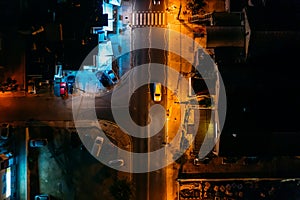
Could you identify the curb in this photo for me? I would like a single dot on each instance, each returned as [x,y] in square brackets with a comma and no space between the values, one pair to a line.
[13,94]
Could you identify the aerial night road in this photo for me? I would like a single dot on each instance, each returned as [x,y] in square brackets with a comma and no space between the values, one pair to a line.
[48,108]
[148,185]
[38,108]
[79,118]
[142,100]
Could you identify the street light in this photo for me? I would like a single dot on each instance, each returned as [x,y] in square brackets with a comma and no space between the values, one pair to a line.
[41,29]
[156,2]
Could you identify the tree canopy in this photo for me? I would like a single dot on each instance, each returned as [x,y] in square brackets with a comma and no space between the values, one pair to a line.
[121,190]
[195,6]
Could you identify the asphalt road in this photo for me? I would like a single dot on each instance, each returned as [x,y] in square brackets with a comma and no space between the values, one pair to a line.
[149,5]
[50,108]
[146,183]
[151,185]
[38,108]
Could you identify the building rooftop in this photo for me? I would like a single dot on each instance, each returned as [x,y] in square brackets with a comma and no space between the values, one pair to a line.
[274,18]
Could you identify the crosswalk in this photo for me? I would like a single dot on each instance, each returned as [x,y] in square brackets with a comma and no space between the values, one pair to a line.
[146,18]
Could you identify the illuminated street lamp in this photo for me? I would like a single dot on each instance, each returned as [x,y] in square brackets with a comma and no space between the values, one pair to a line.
[156,2]
[41,29]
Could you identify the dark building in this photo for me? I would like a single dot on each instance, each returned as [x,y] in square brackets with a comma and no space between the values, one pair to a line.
[227,37]
[262,93]
[36,35]
[237,5]
[12,47]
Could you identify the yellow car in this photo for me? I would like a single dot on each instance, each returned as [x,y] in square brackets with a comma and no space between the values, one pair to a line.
[157,92]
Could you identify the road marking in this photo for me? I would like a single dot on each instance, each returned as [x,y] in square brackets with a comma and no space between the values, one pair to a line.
[159,18]
[152,19]
[133,19]
[164,18]
[141,19]
[146,18]
[137,19]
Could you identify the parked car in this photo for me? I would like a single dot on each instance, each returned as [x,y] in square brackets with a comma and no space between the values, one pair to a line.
[4,131]
[207,159]
[38,142]
[71,82]
[116,163]
[205,100]
[204,160]
[43,83]
[97,146]
[31,89]
[9,85]
[108,78]
[63,91]
[42,197]
[155,2]
[112,76]
[104,80]
[230,160]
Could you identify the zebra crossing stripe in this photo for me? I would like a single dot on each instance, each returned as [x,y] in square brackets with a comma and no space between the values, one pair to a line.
[159,19]
[145,19]
[133,19]
[137,19]
[152,19]
[141,19]
[149,19]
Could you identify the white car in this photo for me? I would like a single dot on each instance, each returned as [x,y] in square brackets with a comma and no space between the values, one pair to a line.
[97,146]
[116,163]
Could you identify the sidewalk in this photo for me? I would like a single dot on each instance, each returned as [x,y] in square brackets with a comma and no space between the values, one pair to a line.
[175,116]
[121,45]
[13,94]
[68,171]
[173,125]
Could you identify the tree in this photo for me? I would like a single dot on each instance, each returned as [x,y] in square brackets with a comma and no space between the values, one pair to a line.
[121,190]
[196,6]
[181,157]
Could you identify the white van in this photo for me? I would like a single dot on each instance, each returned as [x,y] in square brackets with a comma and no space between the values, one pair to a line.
[157,92]
[97,146]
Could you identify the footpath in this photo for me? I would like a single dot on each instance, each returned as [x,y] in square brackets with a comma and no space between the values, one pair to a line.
[13,94]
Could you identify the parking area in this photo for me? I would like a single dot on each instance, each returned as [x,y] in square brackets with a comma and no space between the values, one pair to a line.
[239,189]
[65,169]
